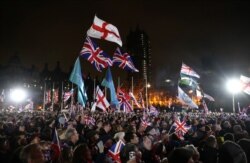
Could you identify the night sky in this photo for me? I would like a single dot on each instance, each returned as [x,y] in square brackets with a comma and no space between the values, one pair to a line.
[211,37]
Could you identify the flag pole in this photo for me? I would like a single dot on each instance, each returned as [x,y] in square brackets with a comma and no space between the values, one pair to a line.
[53,90]
[44,95]
[62,97]
[146,94]
[72,96]
[94,91]
[118,83]
[132,87]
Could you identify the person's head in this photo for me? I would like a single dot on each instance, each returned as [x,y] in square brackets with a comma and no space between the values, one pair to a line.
[131,137]
[211,141]
[196,154]
[71,135]
[226,124]
[81,154]
[181,155]
[106,126]
[229,136]
[245,145]
[32,153]
[231,152]
[130,153]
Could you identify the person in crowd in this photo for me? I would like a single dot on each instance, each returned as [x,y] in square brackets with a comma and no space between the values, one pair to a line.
[32,153]
[181,155]
[209,152]
[230,152]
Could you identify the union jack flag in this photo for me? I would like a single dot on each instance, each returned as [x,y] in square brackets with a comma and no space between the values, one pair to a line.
[114,151]
[123,60]
[123,99]
[181,127]
[95,55]
[145,123]
[88,120]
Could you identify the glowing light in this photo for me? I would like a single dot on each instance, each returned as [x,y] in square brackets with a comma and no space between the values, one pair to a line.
[233,86]
[18,95]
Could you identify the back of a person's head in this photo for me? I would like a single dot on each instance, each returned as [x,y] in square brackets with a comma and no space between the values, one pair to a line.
[231,152]
[79,154]
[32,153]
[126,151]
[245,145]
[229,136]
[180,155]
[211,141]
[128,136]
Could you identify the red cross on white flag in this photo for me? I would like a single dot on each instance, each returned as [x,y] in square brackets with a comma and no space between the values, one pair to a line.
[103,30]
[101,101]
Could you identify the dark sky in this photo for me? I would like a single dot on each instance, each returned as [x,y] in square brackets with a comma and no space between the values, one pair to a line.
[206,35]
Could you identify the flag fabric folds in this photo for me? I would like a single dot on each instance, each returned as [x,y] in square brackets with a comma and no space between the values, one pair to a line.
[184,98]
[245,82]
[123,60]
[47,96]
[2,96]
[124,101]
[181,128]
[95,55]
[101,101]
[67,95]
[134,99]
[185,69]
[114,151]
[108,83]
[210,98]
[103,30]
[76,78]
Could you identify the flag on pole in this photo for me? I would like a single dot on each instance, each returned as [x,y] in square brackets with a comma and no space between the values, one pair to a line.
[210,98]
[188,81]
[185,99]
[56,95]
[47,96]
[101,100]
[185,69]
[141,100]
[95,55]
[153,110]
[114,151]
[181,128]
[67,95]
[205,106]
[108,83]
[245,82]
[124,61]
[134,99]
[76,78]
[124,101]
[103,30]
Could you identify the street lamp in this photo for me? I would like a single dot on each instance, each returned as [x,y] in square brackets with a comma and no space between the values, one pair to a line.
[234,87]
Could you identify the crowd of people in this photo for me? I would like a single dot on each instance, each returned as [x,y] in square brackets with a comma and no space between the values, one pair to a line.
[87,137]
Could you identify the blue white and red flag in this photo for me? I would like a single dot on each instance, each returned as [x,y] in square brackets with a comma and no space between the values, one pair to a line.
[123,99]
[123,60]
[114,151]
[95,55]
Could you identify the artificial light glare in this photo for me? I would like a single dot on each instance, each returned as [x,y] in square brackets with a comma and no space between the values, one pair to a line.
[233,86]
[18,95]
